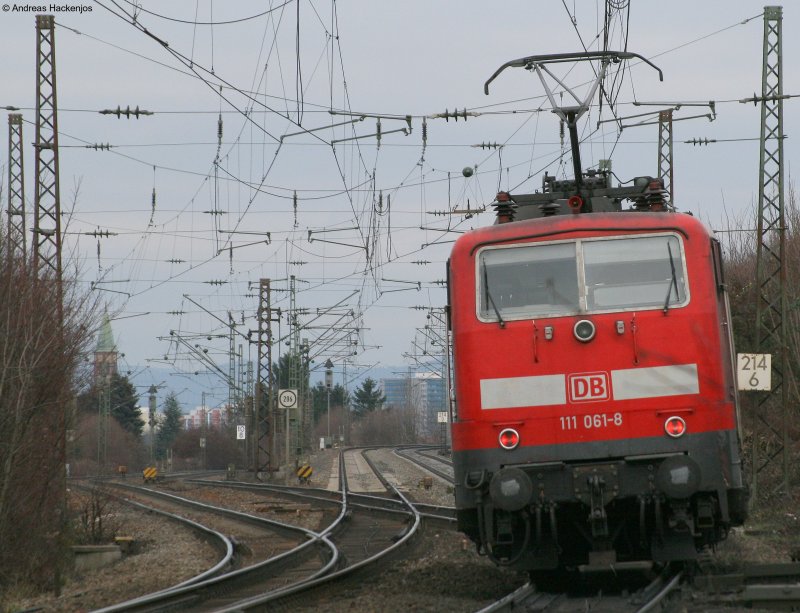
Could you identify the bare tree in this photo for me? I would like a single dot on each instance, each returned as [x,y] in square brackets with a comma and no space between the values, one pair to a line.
[41,343]
[388,427]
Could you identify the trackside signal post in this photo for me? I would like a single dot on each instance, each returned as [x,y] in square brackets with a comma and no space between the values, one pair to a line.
[328,386]
[288,402]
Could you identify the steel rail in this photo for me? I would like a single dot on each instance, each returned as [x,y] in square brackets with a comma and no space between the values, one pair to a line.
[207,589]
[414,459]
[372,502]
[529,598]
[449,518]
[222,541]
[668,587]
[306,586]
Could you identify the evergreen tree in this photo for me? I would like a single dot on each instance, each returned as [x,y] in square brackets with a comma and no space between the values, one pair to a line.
[170,425]
[319,399]
[367,398]
[281,371]
[125,405]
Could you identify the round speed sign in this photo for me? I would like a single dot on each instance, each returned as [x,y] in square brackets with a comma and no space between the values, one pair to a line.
[287,399]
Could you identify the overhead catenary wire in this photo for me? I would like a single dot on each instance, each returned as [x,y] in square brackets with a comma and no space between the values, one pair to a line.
[431,175]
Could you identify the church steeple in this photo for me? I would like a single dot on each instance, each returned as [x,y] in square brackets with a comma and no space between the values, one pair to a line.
[105,354]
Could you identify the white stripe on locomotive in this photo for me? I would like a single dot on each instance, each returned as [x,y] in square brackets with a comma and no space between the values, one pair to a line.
[626,384]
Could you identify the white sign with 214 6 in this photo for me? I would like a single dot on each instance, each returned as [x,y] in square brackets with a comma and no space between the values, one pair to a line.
[754,371]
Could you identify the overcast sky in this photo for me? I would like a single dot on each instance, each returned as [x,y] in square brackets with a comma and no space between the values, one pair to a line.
[225,212]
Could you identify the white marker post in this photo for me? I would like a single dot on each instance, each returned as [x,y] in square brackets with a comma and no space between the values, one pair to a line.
[754,372]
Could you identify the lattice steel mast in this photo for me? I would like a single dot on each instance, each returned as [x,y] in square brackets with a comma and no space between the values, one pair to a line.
[17,242]
[47,217]
[233,389]
[665,151]
[264,443]
[771,308]
[294,365]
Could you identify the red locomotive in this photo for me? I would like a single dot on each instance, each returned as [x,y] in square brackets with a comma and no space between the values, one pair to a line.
[596,410]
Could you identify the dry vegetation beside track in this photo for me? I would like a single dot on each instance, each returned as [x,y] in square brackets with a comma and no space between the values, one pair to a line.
[163,555]
[772,534]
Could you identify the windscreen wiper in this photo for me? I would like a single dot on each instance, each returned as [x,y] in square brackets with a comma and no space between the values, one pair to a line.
[673,282]
[491,300]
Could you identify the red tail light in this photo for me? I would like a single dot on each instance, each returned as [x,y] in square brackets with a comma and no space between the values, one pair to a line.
[575,203]
[675,427]
[509,438]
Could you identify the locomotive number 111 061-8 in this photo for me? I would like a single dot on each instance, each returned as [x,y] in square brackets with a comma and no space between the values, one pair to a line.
[589,422]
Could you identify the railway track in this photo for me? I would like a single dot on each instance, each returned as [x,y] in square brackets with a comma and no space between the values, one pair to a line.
[377,533]
[649,598]
[366,532]
[283,554]
[371,536]
[755,587]
[224,544]
[435,513]
[385,502]
[429,460]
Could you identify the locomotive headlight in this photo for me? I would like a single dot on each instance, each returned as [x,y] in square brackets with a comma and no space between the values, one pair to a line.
[584,330]
[675,426]
[509,438]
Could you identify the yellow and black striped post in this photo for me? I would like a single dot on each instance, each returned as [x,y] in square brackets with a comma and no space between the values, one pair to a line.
[304,473]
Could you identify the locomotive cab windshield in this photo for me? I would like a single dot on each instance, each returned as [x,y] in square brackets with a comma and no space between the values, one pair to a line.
[566,278]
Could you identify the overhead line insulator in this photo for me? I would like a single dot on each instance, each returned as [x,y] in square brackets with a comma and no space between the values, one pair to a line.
[455,114]
[126,113]
[100,233]
[700,141]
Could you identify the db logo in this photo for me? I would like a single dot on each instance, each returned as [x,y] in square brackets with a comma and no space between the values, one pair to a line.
[588,387]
